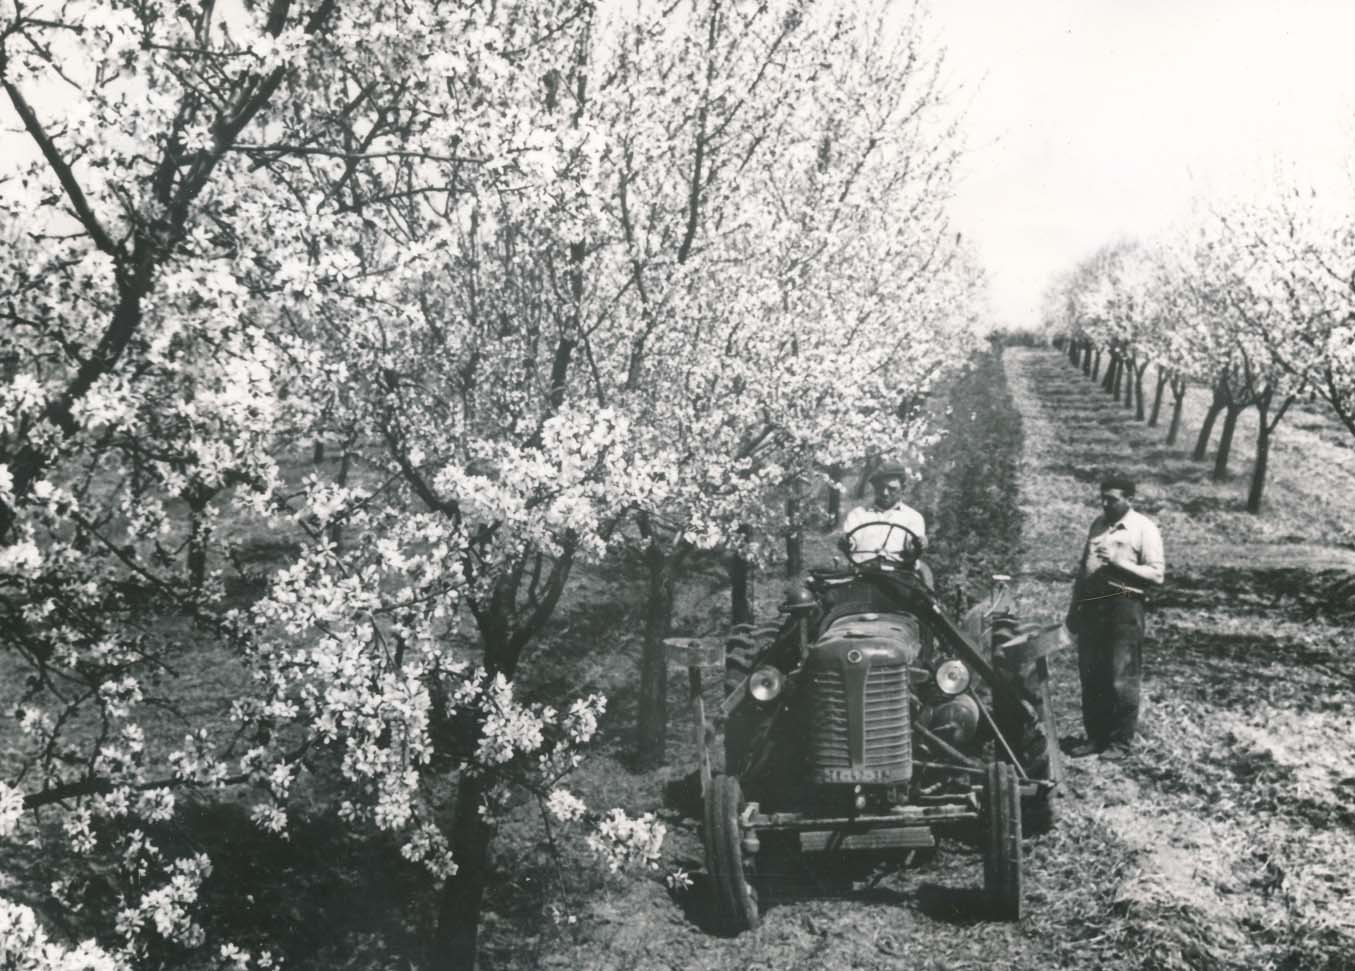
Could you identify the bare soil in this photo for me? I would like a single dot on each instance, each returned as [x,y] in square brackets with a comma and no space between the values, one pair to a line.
[1225,841]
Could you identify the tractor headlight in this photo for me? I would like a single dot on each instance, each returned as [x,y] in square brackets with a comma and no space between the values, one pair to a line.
[952,677]
[765,684]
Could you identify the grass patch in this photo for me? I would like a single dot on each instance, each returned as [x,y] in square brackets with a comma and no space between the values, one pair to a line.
[1232,814]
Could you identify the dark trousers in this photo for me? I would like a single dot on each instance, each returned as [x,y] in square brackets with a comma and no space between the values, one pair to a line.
[1110,664]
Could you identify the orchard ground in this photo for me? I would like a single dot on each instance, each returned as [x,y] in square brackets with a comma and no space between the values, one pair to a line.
[1225,842]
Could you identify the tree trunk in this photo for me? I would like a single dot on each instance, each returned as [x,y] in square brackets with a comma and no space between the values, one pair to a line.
[1178,386]
[1158,392]
[1096,364]
[199,533]
[345,463]
[740,590]
[835,494]
[458,927]
[1072,352]
[1265,426]
[653,717]
[1230,416]
[1207,429]
[138,484]
[1108,380]
[795,547]
[1138,391]
[863,483]
[1258,472]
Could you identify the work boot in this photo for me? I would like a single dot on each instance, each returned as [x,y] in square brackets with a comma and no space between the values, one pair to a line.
[1082,749]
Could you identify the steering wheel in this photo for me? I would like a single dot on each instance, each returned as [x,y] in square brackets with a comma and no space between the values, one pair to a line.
[909,547]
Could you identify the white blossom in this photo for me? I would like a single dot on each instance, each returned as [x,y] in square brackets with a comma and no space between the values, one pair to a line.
[565,806]
[11,809]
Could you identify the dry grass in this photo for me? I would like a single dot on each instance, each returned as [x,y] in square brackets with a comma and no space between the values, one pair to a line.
[1233,813]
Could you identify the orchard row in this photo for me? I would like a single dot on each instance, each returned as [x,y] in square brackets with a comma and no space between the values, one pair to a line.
[548,278]
[1255,302]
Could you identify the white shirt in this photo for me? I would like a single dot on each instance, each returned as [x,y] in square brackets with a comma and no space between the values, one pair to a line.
[877,539]
[1133,537]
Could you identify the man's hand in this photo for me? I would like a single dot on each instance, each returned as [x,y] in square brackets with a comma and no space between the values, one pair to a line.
[1124,568]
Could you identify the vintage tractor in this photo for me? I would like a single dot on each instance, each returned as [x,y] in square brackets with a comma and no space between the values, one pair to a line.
[867,722]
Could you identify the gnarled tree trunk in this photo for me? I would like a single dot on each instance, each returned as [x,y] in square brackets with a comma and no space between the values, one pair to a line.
[1178,386]
[835,494]
[652,723]
[1230,415]
[740,590]
[1264,429]
[1259,468]
[1158,391]
[458,926]
[1216,405]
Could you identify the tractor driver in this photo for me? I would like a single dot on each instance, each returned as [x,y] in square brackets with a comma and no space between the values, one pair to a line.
[888,510]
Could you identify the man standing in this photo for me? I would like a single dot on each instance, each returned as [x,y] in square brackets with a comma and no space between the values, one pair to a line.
[1122,558]
[895,528]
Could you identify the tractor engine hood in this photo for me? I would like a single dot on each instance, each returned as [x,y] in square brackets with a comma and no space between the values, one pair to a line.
[881,638]
[860,710]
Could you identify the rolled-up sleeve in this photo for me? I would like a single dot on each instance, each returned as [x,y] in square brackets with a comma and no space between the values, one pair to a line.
[1150,552]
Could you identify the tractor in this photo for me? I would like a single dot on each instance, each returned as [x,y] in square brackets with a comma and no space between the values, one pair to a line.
[868,722]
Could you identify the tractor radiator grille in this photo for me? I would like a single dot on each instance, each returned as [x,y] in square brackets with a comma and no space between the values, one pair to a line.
[875,748]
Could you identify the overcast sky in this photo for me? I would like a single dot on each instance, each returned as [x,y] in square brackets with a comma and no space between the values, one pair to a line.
[1089,120]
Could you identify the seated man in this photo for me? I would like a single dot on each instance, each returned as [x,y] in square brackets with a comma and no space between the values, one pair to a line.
[882,535]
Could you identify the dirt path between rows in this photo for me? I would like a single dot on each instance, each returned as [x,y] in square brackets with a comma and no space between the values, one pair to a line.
[1225,842]
[1235,808]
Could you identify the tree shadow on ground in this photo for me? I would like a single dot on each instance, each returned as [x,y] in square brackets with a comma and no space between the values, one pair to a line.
[959,906]
[1304,594]
[1088,473]
[321,893]
[1238,670]
[1197,505]
[1170,468]
[794,878]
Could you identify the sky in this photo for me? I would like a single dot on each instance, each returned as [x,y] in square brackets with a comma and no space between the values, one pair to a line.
[1089,121]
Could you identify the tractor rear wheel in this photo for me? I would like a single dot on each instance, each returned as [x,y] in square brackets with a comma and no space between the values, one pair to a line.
[1028,725]
[1002,881]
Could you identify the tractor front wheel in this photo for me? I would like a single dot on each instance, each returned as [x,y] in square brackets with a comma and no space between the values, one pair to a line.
[736,905]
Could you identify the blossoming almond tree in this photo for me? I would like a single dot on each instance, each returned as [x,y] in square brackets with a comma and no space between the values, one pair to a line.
[1269,320]
[207,187]
[812,309]
[544,265]
[134,385]
[1240,301]
[1302,239]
